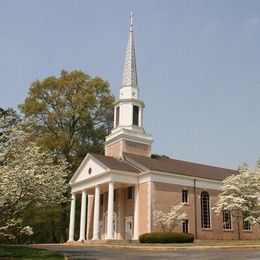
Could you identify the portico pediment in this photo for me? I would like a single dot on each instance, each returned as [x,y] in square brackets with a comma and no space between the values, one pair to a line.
[90,167]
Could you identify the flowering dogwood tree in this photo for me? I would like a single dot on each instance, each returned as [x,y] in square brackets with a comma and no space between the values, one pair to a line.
[241,194]
[15,230]
[29,178]
[169,221]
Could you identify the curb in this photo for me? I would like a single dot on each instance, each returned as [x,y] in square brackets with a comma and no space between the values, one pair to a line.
[151,248]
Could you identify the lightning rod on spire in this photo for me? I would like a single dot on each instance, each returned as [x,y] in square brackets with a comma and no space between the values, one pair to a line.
[131,21]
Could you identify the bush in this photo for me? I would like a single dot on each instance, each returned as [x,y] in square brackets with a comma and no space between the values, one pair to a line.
[166,237]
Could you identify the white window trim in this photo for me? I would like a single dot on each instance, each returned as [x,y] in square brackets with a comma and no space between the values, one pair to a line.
[210,213]
[231,221]
[188,202]
[188,225]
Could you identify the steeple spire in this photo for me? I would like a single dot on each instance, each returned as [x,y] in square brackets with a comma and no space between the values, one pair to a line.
[129,75]
[128,135]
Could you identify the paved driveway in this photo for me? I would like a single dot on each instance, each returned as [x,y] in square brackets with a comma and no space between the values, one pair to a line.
[73,252]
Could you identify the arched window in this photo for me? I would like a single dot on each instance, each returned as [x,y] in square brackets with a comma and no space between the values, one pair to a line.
[227,220]
[246,222]
[205,210]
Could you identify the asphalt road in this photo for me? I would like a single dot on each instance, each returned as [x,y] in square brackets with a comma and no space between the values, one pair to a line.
[125,254]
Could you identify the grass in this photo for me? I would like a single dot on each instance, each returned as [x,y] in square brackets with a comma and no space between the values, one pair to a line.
[20,252]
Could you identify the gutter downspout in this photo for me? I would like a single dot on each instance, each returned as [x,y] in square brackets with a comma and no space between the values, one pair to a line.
[195,208]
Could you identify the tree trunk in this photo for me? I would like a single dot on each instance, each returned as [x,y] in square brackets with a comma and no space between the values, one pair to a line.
[238,228]
[63,225]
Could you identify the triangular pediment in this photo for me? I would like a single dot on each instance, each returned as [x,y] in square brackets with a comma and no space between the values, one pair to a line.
[89,168]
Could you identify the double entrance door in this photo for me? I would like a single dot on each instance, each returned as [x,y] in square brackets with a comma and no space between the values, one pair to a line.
[128,227]
[103,226]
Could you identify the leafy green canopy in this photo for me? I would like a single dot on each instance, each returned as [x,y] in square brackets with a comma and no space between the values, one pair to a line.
[70,114]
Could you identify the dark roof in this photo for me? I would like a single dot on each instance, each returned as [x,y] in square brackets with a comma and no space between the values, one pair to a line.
[114,164]
[164,164]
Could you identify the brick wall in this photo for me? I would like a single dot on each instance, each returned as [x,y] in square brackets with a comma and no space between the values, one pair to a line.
[144,208]
[138,149]
[166,195]
[116,149]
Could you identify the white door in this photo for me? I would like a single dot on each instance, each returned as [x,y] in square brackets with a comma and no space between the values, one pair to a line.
[114,225]
[128,228]
[101,232]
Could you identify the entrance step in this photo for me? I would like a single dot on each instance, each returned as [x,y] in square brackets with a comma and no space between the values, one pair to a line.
[105,241]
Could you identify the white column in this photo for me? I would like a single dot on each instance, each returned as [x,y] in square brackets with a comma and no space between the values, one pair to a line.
[89,215]
[140,117]
[72,217]
[96,213]
[136,213]
[115,117]
[110,210]
[82,235]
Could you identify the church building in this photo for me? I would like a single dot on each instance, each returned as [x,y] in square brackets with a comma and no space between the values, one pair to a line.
[120,190]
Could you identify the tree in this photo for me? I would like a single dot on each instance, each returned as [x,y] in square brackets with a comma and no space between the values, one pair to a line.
[71,114]
[29,177]
[9,119]
[169,221]
[240,195]
[258,163]
[14,230]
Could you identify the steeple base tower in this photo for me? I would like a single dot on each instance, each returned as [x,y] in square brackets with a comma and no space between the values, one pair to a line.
[128,141]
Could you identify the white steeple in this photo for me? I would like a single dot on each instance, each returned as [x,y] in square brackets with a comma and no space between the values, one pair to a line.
[129,87]
[128,135]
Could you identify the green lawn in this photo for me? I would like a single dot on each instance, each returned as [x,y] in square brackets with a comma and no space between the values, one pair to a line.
[20,252]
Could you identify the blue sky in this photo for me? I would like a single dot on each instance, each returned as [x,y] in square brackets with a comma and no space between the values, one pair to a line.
[198,65]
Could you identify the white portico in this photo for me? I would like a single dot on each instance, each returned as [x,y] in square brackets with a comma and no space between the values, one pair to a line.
[96,176]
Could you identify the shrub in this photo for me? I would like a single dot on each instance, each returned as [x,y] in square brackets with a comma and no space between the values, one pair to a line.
[166,237]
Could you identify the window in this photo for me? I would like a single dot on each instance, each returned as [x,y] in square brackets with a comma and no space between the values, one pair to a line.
[135,115]
[114,225]
[114,195]
[130,193]
[227,222]
[184,196]
[205,210]
[101,199]
[246,222]
[185,226]
[117,115]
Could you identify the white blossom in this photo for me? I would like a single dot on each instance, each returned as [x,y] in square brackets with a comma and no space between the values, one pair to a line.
[169,221]
[241,194]
[27,230]
[14,228]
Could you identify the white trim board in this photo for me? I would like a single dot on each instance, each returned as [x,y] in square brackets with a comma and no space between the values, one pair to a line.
[179,180]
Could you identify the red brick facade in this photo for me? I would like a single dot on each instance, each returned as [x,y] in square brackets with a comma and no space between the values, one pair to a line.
[166,195]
